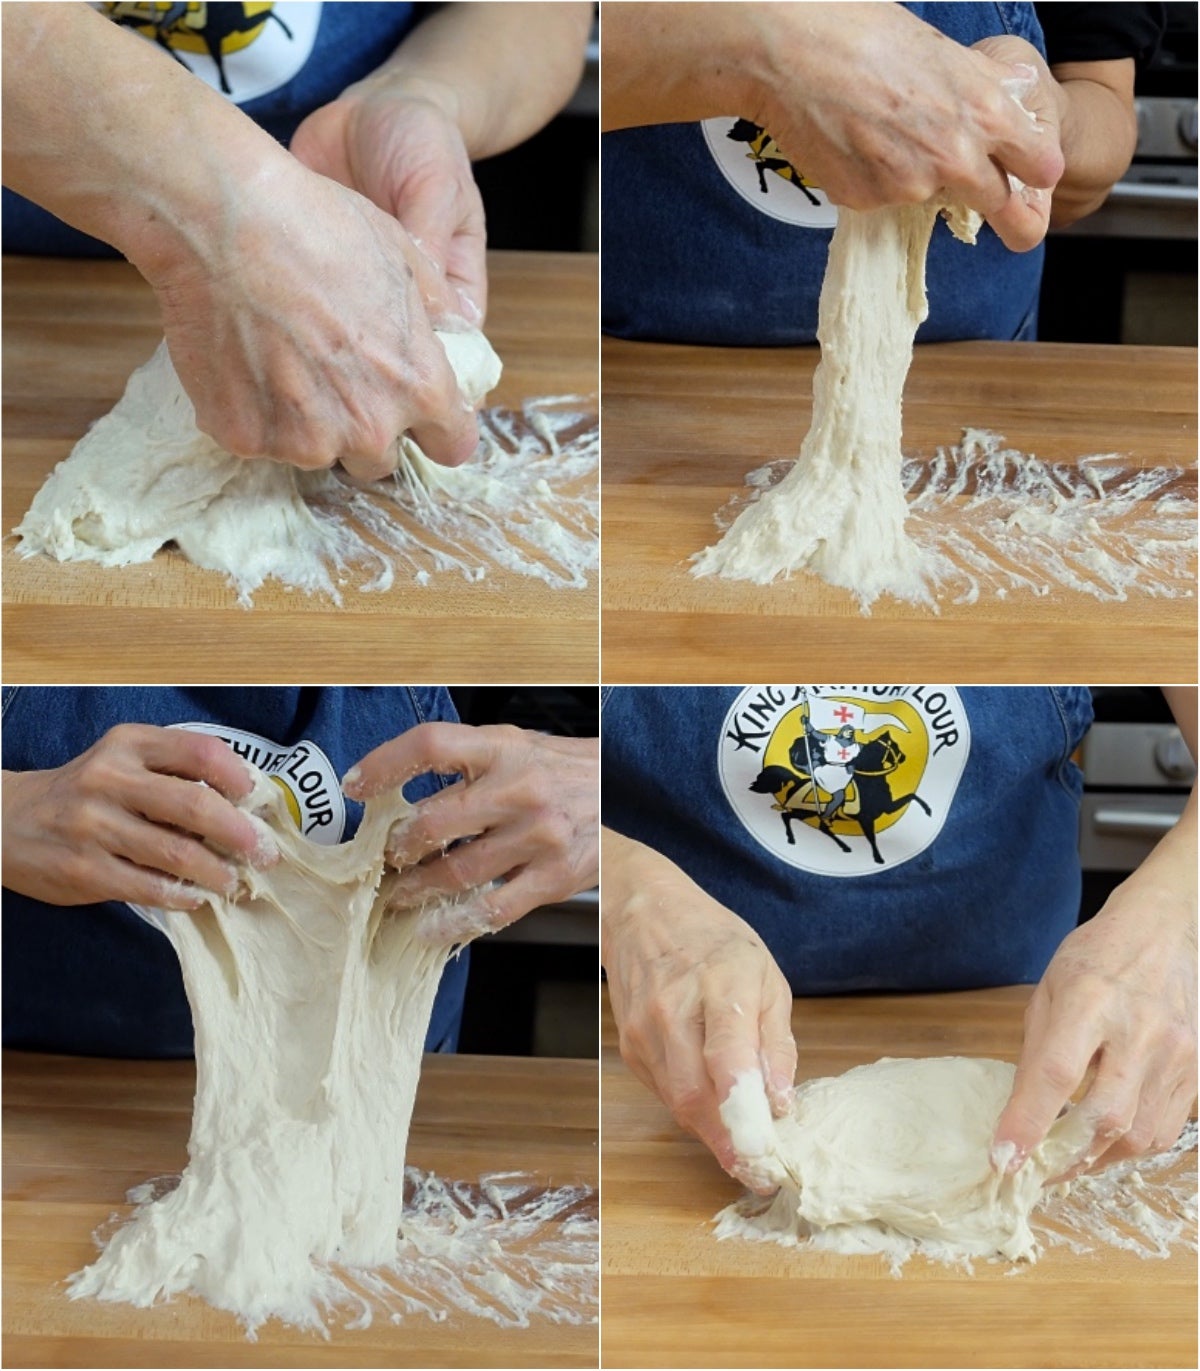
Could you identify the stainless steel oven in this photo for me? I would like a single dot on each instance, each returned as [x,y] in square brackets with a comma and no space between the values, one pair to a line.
[1137,774]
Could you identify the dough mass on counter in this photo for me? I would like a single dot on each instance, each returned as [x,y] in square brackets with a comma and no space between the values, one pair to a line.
[894,1157]
[311,997]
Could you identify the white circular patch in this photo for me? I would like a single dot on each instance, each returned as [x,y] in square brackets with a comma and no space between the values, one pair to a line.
[761,175]
[843,780]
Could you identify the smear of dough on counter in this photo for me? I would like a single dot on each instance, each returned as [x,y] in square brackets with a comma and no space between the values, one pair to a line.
[311,997]
[894,1157]
[144,476]
[840,510]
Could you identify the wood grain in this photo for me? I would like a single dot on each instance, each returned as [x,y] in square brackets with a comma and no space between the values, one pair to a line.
[74,330]
[78,1133]
[682,426]
[674,1296]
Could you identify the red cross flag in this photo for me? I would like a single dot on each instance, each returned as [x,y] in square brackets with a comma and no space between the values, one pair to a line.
[828,714]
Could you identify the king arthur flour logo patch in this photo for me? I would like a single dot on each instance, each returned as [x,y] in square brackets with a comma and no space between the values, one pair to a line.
[843,780]
[755,166]
[304,774]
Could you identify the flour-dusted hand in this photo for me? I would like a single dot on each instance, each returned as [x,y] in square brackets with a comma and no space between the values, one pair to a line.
[301,330]
[129,820]
[527,801]
[407,155]
[1114,1013]
[700,1003]
[899,113]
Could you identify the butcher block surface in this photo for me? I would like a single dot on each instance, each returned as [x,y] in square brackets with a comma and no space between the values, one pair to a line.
[79,1132]
[683,425]
[73,332]
[675,1296]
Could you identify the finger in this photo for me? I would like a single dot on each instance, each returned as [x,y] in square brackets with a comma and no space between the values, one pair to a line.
[441,748]
[365,468]
[485,912]
[438,295]
[464,868]
[1180,1107]
[731,1041]
[981,185]
[1053,1063]
[1108,1108]
[1029,149]
[687,1088]
[165,851]
[778,1052]
[135,885]
[446,429]
[459,811]
[1156,1093]
[1022,222]
[197,810]
[196,757]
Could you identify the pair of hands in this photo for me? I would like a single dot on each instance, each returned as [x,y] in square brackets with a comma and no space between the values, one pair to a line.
[127,820]
[301,321]
[698,999]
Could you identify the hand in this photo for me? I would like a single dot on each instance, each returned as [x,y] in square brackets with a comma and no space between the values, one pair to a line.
[527,800]
[697,997]
[127,820]
[1116,1009]
[879,108]
[405,153]
[300,327]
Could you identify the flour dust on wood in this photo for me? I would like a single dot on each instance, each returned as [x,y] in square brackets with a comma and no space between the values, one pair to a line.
[144,478]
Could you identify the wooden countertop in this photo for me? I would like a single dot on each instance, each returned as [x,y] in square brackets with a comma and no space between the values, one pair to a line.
[683,425]
[79,1132]
[73,332]
[675,1296]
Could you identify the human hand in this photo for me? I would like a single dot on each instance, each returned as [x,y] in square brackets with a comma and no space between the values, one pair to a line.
[1115,1012]
[300,326]
[527,800]
[698,999]
[878,108]
[127,820]
[405,153]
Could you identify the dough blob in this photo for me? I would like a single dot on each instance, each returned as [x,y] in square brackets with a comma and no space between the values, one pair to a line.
[840,510]
[144,476]
[893,1157]
[311,998]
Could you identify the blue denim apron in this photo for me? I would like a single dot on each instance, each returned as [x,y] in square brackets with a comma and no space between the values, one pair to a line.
[688,259]
[98,980]
[978,893]
[352,39]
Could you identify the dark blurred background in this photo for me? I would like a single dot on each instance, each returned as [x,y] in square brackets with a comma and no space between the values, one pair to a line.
[1127,273]
[544,195]
[532,988]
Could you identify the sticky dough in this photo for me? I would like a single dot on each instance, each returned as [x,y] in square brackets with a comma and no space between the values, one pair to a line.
[311,997]
[894,1156]
[144,476]
[839,512]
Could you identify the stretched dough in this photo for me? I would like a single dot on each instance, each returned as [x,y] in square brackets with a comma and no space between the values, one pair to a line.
[895,1155]
[311,998]
[840,510]
[144,476]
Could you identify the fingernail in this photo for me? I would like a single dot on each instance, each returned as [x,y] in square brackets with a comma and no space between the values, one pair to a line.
[1007,1157]
[351,781]
[471,311]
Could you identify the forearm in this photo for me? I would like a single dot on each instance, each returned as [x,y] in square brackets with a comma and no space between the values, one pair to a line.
[1099,134]
[117,139]
[475,61]
[666,64]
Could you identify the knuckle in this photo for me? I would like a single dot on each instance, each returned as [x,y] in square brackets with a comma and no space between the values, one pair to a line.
[1059,1071]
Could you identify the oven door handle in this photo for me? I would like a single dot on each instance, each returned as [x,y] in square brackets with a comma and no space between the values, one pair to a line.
[1145,823]
[1146,193]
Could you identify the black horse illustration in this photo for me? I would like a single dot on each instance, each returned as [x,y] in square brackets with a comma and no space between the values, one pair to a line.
[874,764]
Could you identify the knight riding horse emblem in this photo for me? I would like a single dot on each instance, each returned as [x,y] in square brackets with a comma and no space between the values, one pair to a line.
[834,776]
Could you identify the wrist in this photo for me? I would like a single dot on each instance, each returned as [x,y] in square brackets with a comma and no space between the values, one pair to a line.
[399,84]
